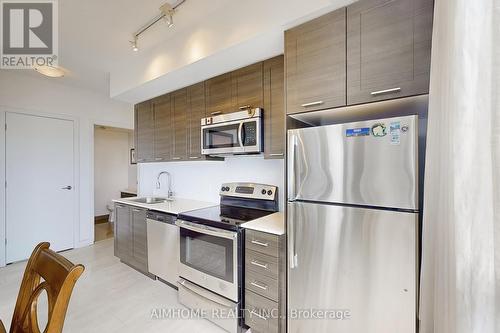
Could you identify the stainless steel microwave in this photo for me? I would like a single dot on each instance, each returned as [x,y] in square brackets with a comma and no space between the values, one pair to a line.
[232,133]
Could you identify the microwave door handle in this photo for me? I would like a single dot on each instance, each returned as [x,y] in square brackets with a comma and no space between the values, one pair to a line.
[240,134]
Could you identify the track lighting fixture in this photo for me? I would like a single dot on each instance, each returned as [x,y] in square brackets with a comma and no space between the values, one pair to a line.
[167,12]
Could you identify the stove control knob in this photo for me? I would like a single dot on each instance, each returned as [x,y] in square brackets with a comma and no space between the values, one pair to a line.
[223,189]
[270,192]
[263,192]
[227,188]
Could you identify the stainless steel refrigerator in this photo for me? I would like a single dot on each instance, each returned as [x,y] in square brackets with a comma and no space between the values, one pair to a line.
[353,227]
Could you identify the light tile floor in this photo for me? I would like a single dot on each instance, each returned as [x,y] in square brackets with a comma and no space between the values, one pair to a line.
[109,297]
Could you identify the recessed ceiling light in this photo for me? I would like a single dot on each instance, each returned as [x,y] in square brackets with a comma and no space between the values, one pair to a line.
[50,71]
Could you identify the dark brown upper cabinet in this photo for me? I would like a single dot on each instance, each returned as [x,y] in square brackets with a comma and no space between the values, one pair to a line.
[315,62]
[247,90]
[144,132]
[218,91]
[388,49]
[196,111]
[163,128]
[274,108]
[179,124]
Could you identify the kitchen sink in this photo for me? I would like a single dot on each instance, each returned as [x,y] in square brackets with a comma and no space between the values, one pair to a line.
[151,200]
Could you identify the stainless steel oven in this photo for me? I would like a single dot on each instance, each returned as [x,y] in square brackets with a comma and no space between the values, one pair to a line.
[233,133]
[209,257]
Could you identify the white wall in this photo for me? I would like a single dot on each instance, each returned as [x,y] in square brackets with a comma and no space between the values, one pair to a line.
[43,96]
[111,166]
[202,180]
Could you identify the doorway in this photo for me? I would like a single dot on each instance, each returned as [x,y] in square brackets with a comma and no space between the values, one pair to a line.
[114,174]
[40,184]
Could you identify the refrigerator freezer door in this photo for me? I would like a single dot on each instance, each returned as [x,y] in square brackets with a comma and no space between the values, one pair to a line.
[372,163]
[360,262]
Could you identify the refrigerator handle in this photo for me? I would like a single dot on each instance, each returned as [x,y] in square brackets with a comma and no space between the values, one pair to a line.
[291,237]
[291,167]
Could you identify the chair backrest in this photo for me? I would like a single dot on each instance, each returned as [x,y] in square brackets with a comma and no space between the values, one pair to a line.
[49,271]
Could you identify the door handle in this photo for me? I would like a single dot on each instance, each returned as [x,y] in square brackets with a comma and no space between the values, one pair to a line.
[258,285]
[67,188]
[258,264]
[291,167]
[291,234]
[387,91]
[256,242]
[306,105]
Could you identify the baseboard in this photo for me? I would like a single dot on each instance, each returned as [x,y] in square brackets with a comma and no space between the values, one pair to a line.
[101,219]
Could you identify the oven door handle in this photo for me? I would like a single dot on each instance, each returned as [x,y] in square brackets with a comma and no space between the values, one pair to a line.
[206,230]
[205,294]
[240,134]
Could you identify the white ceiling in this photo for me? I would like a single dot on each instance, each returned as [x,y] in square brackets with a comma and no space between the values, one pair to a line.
[94,38]
[94,35]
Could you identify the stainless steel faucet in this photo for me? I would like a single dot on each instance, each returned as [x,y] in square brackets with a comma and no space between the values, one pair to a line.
[158,183]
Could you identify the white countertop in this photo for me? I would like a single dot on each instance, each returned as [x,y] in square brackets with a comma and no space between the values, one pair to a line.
[177,206]
[271,224]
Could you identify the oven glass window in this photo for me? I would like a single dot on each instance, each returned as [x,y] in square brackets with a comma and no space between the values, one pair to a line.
[209,254]
[221,137]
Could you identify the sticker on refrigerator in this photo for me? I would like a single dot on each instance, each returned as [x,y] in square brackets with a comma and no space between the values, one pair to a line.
[363,131]
[395,133]
[379,130]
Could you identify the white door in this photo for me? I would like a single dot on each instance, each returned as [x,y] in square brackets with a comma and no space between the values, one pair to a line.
[40,184]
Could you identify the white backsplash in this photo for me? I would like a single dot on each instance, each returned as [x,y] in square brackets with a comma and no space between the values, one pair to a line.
[202,180]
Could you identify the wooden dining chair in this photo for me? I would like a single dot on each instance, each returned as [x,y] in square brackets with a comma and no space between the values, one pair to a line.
[49,271]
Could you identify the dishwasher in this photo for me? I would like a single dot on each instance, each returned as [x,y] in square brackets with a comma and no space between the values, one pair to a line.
[163,247]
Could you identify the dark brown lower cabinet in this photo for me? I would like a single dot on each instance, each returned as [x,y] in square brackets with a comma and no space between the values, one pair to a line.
[131,237]
[265,282]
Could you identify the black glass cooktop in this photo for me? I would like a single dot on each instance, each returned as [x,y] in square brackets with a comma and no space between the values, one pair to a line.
[229,217]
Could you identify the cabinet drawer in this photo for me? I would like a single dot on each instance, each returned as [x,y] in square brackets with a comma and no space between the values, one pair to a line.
[261,314]
[261,264]
[262,242]
[262,285]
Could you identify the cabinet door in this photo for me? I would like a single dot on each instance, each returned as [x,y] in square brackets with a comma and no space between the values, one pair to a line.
[196,100]
[179,125]
[139,239]
[274,108]
[315,63]
[219,95]
[248,87]
[388,49]
[144,132]
[163,128]
[123,232]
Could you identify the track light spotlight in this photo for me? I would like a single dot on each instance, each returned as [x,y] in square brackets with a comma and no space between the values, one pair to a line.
[167,11]
[135,48]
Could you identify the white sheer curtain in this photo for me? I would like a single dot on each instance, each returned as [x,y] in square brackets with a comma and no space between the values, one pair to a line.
[460,285]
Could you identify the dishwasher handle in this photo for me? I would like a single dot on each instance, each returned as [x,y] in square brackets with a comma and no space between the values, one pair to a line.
[161,217]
